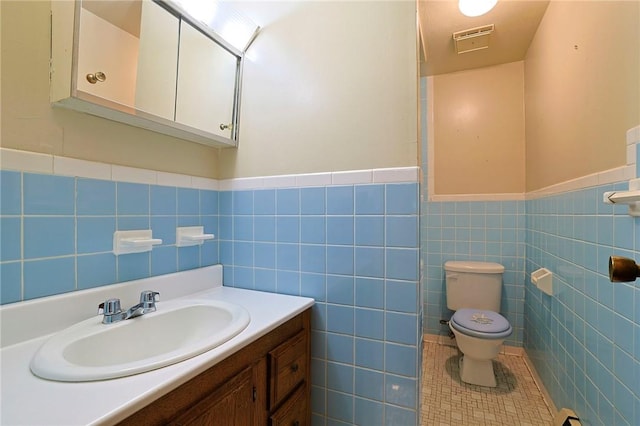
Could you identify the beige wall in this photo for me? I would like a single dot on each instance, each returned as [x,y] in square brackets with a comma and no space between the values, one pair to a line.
[479,131]
[324,90]
[328,86]
[582,80]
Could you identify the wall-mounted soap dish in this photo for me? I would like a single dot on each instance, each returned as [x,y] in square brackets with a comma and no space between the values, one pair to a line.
[137,241]
[191,236]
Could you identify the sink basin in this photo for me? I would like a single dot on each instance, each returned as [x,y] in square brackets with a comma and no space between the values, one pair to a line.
[178,330]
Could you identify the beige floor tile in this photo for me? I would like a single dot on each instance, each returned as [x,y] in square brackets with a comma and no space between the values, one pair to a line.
[445,399]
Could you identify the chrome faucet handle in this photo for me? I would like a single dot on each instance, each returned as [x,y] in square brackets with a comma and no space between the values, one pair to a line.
[110,307]
[148,299]
[112,311]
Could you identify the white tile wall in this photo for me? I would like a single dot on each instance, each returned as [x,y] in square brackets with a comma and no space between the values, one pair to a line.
[73,167]
[11,159]
[633,135]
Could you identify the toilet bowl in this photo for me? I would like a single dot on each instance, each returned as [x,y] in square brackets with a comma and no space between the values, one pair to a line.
[479,336]
[473,291]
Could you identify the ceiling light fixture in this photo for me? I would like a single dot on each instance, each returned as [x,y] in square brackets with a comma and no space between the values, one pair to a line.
[473,8]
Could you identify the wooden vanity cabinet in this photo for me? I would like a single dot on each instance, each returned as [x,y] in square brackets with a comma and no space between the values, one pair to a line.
[289,381]
[231,404]
[294,411]
[264,384]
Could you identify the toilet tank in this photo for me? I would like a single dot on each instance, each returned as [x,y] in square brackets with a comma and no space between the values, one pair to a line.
[473,285]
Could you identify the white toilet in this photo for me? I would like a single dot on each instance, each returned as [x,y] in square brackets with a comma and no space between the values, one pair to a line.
[473,291]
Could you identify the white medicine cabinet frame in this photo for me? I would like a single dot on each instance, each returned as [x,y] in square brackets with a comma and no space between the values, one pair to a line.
[150,64]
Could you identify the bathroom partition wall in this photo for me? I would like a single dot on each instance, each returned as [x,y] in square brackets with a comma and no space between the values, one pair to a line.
[353,247]
[585,340]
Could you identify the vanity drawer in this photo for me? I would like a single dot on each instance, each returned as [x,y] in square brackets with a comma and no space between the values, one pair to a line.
[293,412]
[288,365]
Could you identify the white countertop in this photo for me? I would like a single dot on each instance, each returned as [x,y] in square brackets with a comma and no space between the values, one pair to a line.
[28,400]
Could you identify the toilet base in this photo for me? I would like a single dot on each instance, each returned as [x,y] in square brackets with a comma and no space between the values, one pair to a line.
[477,372]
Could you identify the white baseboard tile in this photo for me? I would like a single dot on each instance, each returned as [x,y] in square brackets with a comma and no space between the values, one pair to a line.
[512,350]
[536,378]
[205,183]
[26,161]
[35,162]
[399,174]
[478,197]
[352,177]
[436,338]
[133,175]
[241,184]
[174,179]
[313,179]
[633,135]
[65,166]
[602,178]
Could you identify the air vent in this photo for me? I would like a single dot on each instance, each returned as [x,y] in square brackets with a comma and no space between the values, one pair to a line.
[472,39]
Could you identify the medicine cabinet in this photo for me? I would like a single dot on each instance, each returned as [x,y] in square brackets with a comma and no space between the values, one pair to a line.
[152,64]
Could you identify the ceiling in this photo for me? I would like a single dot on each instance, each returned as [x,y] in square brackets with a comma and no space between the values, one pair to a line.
[516,22]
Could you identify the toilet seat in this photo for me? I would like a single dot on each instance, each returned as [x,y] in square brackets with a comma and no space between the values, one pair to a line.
[481,324]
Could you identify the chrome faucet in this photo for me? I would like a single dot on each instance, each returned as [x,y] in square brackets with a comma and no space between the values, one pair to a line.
[114,313]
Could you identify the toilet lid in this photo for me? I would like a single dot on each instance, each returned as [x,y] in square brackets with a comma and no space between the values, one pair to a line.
[480,323]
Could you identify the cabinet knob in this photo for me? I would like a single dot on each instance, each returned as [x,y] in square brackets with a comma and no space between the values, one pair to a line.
[295,423]
[226,126]
[97,77]
[294,367]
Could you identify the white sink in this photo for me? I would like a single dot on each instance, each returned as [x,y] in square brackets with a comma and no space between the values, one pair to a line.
[178,330]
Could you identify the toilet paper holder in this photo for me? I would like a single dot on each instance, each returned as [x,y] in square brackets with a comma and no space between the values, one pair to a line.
[623,269]
[543,279]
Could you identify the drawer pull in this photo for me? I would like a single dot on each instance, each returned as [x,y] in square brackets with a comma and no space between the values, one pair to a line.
[295,423]
[294,368]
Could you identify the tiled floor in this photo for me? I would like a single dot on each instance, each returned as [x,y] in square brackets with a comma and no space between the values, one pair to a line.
[448,401]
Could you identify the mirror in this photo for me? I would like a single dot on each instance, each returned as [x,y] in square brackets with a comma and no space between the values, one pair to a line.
[157,58]
[206,77]
[149,64]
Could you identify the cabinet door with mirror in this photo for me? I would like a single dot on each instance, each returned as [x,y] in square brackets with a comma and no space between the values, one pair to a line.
[149,64]
[204,72]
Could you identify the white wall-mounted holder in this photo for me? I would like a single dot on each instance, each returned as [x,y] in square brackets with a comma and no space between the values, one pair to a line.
[543,279]
[138,241]
[191,236]
[630,197]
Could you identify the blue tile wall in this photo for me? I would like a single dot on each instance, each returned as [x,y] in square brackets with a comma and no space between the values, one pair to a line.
[56,232]
[491,231]
[48,195]
[585,340]
[11,195]
[354,248]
